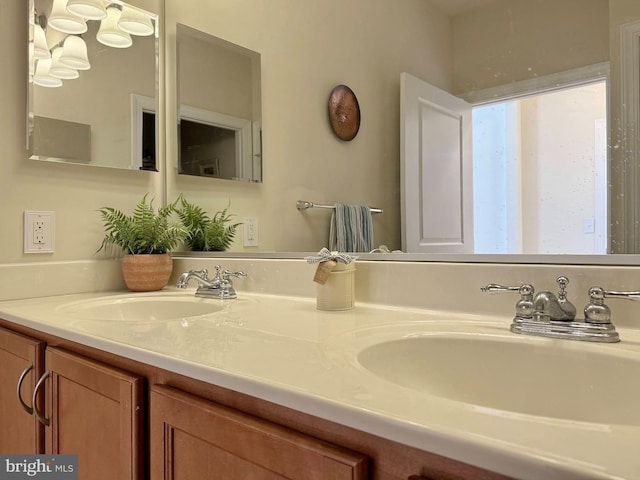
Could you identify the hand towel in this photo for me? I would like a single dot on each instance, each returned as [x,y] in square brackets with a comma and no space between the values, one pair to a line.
[351,229]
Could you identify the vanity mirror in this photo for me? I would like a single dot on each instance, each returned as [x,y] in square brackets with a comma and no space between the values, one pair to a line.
[93,83]
[219,98]
[305,57]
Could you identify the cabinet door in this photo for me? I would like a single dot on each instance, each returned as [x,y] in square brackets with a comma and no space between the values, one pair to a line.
[96,412]
[194,438]
[21,358]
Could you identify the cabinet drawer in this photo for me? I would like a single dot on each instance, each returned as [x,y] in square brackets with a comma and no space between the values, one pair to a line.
[195,438]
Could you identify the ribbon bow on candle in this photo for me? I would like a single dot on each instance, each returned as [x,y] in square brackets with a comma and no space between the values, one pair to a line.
[326,260]
[325,255]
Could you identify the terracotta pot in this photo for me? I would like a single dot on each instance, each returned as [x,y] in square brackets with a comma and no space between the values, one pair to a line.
[146,273]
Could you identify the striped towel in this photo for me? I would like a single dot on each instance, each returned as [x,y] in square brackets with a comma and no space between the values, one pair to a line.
[351,229]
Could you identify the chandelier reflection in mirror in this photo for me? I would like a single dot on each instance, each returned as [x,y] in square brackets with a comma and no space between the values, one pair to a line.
[57,48]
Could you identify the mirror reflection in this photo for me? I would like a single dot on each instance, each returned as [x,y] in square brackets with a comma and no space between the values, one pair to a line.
[93,83]
[219,98]
[463,47]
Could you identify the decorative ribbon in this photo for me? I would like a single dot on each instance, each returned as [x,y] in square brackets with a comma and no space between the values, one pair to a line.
[325,255]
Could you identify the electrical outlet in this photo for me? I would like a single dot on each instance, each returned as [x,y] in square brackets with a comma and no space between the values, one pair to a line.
[250,231]
[39,232]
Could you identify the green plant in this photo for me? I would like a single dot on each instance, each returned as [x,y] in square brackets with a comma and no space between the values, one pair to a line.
[143,232]
[206,234]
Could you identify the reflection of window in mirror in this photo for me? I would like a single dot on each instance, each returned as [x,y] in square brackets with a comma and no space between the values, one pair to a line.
[208,150]
[212,144]
[149,141]
[540,173]
[143,133]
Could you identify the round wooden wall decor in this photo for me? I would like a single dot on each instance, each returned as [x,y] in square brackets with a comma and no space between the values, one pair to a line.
[344,113]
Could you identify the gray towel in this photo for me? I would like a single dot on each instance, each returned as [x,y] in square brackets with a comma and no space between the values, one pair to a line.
[351,229]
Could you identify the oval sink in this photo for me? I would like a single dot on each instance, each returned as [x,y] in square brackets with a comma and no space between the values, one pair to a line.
[557,379]
[142,308]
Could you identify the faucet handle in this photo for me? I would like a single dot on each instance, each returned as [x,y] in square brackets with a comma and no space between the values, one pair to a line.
[524,306]
[204,273]
[495,288]
[227,273]
[596,311]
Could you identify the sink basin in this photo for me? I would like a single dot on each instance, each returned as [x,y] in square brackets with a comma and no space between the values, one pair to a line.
[558,379]
[142,307]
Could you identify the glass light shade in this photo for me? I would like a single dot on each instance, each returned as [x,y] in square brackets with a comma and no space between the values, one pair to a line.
[40,47]
[64,21]
[58,69]
[74,53]
[109,34]
[89,9]
[135,22]
[42,77]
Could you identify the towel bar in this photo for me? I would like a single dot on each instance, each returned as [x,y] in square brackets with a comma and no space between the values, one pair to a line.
[303,205]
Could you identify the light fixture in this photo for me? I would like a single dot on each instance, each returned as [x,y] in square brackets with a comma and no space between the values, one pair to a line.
[89,9]
[109,34]
[42,76]
[40,47]
[60,70]
[64,21]
[135,22]
[74,53]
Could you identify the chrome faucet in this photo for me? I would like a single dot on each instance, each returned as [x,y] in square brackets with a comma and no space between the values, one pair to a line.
[547,306]
[220,286]
[547,315]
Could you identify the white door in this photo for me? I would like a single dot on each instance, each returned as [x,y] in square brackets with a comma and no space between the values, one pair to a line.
[436,172]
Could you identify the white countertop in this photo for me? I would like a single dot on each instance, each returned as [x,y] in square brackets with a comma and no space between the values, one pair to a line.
[283,350]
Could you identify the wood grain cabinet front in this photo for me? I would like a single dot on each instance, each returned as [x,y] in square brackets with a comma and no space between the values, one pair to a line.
[195,438]
[21,364]
[96,412]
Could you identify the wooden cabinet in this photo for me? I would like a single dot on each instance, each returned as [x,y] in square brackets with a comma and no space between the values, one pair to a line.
[96,412]
[21,364]
[195,438]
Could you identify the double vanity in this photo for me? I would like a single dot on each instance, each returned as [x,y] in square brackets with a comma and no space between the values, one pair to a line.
[380,391]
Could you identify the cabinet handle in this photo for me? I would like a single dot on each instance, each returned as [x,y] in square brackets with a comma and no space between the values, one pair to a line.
[24,406]
[39,415]
[418,477]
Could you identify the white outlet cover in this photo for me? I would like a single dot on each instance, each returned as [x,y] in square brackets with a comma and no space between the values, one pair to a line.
[30,218]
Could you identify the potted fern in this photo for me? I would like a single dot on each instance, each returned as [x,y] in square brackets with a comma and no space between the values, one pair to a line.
[146,237]
[205,233]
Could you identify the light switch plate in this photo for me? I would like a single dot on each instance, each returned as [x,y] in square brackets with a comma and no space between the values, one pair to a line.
[250,231]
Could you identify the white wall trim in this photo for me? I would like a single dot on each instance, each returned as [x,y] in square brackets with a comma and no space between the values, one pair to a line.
[546,83]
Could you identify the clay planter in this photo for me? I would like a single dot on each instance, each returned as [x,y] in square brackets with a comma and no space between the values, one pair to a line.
[146,273]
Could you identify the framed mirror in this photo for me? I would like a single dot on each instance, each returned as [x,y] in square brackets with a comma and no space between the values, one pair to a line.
[93,76]
[220,117]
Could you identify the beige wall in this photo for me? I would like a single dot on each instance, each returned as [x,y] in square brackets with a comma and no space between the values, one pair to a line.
[214,78]
[307,48]
[510,41]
